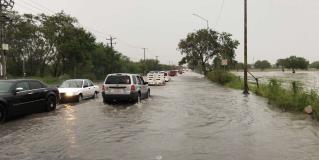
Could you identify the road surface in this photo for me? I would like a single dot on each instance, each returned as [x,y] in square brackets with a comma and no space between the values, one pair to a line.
[189,119]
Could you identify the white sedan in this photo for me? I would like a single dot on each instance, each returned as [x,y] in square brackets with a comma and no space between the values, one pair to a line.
[77,90]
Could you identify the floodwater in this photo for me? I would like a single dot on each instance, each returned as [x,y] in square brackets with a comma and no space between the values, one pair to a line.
[188,119]
[309,79]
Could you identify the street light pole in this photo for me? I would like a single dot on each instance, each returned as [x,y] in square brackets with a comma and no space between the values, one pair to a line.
[204,19]
[246,88]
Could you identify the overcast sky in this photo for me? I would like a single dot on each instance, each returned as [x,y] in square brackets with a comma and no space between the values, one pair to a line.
[277,28]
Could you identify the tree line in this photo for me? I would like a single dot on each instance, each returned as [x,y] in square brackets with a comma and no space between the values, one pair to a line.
[56,45]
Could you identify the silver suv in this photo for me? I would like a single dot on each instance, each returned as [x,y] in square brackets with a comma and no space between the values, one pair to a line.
[125,87]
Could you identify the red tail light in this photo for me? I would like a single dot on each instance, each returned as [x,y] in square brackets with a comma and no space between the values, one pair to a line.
[133,88]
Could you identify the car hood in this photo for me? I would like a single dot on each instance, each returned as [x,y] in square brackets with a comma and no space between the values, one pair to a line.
[73,90]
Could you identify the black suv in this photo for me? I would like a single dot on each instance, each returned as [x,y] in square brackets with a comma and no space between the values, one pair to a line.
[25,96]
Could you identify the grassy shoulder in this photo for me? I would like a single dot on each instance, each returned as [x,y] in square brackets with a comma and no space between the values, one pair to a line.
[294,98]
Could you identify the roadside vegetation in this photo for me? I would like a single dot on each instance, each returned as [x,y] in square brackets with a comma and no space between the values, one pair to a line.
[293,98]
[55,47]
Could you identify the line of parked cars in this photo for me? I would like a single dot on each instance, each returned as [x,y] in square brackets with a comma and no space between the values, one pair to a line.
[158,78]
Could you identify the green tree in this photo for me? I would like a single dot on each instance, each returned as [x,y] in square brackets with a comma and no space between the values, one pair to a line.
[314,65]
[200,47]
[281,63]
[294,63]
[264,64]
[204,45]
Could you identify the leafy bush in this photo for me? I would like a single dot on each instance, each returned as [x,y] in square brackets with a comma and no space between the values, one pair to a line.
[221,77]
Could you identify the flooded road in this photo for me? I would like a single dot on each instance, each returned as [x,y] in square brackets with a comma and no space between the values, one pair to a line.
[189,119]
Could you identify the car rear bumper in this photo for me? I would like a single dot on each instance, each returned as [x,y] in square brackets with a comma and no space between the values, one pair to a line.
[119,97]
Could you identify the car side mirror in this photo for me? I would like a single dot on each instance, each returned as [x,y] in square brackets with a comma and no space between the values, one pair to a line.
[18,90]
[145,83]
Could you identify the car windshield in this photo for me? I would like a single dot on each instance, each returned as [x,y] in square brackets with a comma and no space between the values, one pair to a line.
[118,80]
[5,87]
[72,84]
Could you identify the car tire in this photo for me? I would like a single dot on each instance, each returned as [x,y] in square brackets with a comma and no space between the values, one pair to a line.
[95,95]
[79,98]
[148,94]
[51,104]
[138,98]
[3,114]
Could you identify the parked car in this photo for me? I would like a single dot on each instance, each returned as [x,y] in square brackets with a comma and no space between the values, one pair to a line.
[19,97]
[166,76]
[173,73]
[77,90]
[125,87]
[151,78]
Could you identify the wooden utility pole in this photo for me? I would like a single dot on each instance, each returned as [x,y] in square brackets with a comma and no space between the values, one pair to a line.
[144,61]
[111,44]
[246,88]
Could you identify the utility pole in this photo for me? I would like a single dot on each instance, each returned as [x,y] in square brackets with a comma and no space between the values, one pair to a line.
[111,44]
[4,5]
[144,61]
[246,88]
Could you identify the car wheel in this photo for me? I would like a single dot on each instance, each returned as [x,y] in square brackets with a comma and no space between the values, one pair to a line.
[51,104]
[95,95]
[148,94]
[3,114]
[138,98]
[80,98]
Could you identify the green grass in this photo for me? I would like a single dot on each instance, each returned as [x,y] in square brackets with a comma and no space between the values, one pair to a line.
[294,98]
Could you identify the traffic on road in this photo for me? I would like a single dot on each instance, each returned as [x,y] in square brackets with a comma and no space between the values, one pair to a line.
[189,118]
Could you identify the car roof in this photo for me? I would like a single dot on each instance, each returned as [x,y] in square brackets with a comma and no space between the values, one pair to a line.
[76,79]
[121,74]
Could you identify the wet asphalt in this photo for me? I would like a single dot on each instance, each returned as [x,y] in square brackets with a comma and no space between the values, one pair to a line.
[188,119]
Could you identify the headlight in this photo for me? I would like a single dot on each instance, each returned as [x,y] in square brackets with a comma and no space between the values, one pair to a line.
[69,94]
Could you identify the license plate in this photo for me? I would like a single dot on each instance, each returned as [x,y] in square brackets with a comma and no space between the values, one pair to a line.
[117,91]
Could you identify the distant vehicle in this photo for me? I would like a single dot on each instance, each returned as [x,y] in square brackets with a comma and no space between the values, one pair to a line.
[151,77]
[156,78]
[19,97]
[173,73]
[166,76]
[77,90]
[125,87]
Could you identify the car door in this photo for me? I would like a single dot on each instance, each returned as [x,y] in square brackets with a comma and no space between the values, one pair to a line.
[22,99]
[38,94]
[91,87]
[85,89]
[142,86]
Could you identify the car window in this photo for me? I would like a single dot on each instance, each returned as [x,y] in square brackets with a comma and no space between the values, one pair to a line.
[86,83]
[23,85]
[5,86]
[35,85]
[134,80]
[90,83]
[139,80]
[118,80]
[72,84]
[142,80]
